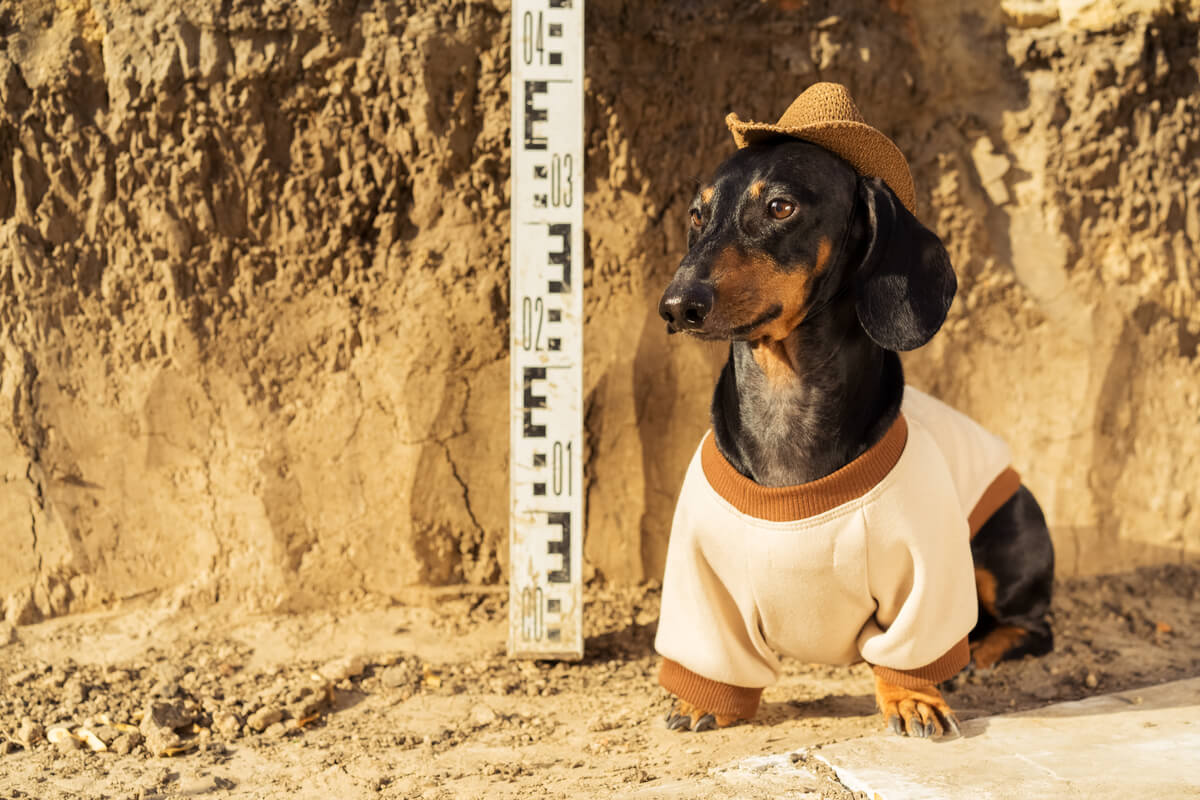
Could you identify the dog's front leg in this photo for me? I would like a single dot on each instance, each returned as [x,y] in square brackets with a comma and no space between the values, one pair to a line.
[919,712]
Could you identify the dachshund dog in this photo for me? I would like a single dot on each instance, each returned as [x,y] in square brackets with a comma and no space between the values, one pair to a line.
[826,515]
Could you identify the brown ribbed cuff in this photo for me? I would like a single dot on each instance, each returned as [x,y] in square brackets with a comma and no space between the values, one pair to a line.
[999,492]
[713,696]
[789,503]
[945,667]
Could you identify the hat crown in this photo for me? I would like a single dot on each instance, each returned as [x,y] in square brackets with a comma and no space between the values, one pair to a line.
[825,115]
[821,102]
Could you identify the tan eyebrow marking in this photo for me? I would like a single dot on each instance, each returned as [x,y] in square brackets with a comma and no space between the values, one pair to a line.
[756,188]
[707,195]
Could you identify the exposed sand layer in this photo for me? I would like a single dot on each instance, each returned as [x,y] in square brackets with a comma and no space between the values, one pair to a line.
[253,276]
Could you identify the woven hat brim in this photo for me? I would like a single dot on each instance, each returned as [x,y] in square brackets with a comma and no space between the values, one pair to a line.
[868,150]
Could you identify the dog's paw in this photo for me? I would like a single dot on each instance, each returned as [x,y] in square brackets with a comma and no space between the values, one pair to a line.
[684,716]
[915,712]
[992,649]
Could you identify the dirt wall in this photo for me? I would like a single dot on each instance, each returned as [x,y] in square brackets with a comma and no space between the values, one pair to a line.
[253,276]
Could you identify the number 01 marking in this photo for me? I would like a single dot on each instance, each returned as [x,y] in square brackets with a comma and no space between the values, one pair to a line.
[560,468]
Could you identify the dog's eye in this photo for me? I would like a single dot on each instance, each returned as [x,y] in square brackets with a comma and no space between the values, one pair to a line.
[781,209]
[695,215]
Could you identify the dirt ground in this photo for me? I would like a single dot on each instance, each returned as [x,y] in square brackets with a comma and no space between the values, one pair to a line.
[419,700]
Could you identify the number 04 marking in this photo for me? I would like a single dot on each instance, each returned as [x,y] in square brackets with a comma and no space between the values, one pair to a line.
[532,41]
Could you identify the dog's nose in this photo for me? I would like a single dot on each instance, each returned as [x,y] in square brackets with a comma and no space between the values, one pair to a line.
[686,307]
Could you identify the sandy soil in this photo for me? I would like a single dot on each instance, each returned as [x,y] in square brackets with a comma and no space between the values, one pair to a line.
[254,311]
[420,701]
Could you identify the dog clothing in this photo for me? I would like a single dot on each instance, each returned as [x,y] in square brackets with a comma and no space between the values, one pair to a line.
[871,563]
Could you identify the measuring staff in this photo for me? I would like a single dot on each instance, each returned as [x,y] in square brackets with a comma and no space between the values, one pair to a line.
[546,349]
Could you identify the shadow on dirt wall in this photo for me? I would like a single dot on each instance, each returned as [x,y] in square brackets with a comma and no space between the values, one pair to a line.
[665,83]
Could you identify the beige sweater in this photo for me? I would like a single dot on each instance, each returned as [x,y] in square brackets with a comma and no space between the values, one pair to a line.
[870,563]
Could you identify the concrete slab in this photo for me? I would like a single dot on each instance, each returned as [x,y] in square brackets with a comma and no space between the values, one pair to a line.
[1142,743]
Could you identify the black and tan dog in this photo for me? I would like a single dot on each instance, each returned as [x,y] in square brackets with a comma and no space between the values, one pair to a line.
[804,254]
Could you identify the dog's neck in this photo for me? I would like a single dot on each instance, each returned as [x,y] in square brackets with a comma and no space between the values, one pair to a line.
[796,410]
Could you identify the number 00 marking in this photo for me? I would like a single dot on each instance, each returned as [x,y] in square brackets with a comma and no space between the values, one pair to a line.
[533,619]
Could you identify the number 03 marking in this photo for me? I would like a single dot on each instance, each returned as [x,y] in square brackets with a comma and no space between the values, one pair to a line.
[562,181]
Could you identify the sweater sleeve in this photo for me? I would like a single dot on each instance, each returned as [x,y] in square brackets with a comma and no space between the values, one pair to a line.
[702,625]
[921,577]
[708,624]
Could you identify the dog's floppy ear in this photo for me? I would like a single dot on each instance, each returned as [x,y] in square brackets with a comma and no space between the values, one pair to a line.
[904,285]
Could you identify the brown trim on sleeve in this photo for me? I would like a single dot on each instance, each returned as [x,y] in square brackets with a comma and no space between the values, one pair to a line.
[712,696]
[999,492]
[788,503]
[945,667]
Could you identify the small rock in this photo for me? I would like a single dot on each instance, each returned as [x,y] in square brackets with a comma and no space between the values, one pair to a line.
[264,718]
[307,707]
[8,633]
[8,746]
[89,738]
[74,692]
[159,721]
[20,676]
[20,609]
[342,668]
[117,676]
[167,689]
[397,675]
[123,745]
[30,733]
[227,724]
[602,722]
[276,730]
[481,715]
[68,745]
[167,672]
[1091,681]
[107,734]
[166,715]
[63,740]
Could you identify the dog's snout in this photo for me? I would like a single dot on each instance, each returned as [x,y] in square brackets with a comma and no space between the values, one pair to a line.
[685,307]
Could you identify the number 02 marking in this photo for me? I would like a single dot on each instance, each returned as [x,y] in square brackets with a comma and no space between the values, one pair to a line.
[532,313]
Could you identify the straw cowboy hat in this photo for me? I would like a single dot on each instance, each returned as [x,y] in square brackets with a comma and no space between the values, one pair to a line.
[825,115]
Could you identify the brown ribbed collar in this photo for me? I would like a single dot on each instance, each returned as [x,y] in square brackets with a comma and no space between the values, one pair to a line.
[789,503]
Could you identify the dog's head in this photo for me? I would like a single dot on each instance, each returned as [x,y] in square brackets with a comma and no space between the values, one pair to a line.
[786,229]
